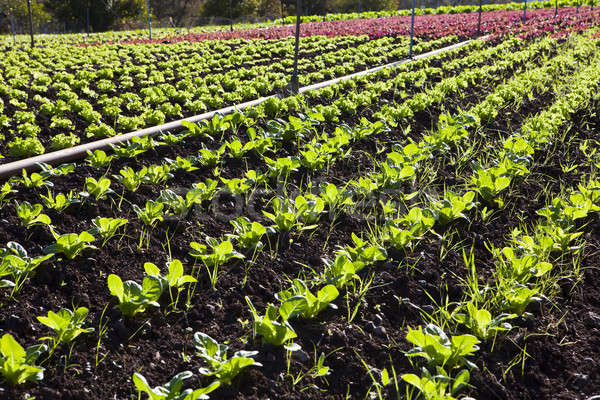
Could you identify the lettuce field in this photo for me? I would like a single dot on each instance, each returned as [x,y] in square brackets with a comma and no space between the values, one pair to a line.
[426,231]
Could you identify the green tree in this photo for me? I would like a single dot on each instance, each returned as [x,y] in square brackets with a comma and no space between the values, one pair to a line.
[241,8]
[104,14]
[178,10]
[18,9]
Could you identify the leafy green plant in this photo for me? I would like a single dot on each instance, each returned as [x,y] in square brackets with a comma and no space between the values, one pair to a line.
[520,269]
[181,205]
[298,300]
[133,297]
[286,217]
[71,244]
[174,279]
[249,234]
[31,215]
[490,182]
[440,350]
[6,191]
[172,389]
[106,227]
[363,253]
[99,189]
[210,157]
[33,180]
[98,159]
[158,174]
[438,386]
[17,364]
[60,201]
[310,208]
[130,179]
[151,214]
[66,324]
[480,321]
[453,206]
[282,167]
[221,367]
[269,327]
[16,263]
[221,253]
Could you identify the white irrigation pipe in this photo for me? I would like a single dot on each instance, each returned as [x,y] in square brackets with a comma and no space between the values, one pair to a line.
[81,151]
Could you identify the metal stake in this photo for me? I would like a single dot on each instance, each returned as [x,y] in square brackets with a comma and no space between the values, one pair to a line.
[525,11]
[30,23]
[412,30]
[294,84]
[149,22]
[230,17]
[12,24]
[479,20]
[556,9]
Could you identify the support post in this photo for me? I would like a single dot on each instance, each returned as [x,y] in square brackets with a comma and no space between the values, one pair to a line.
[12,25]
[149,21]
[230,16]
[525,11]
[30,23]
[359,7]
[294,82]
[412,30]
[556,9]
[479,20]
[87,17]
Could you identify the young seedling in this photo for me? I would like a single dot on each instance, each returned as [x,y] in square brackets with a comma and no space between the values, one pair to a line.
[59,202]
[222,368]
[99,189]
[440,350]
[221,253]
[31,215]
[66,324]
[249,234]
[152,214]
[133,297]
[480,322]
[98,159]
[71,244]
[106,227]
[16,263]
[172,389]
[299,301]
[175,278]
[17,364]
[272,331]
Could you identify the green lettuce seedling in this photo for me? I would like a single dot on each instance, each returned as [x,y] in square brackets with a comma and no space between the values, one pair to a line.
[133,297]
[222,368]
[70,244]
[17,364]
[172,389]
[106,227]
[272,331]
[66,324]
[31,215]
[298,300]
[438,349]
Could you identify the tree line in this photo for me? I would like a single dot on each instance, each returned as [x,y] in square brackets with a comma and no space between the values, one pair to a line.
[110,14]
